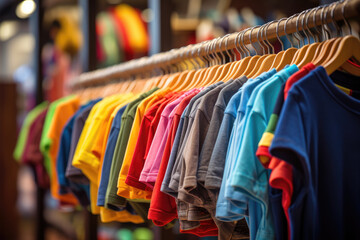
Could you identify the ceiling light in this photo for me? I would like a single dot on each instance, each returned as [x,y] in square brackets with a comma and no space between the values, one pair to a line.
[25,8]
[7,30]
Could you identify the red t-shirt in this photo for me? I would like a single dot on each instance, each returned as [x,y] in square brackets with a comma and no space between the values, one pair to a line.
[162,206]
[148,126]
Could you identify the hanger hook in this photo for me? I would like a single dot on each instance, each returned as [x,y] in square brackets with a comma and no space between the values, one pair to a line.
[304,26]
[307,24]
[345,19]
[323,21]
[297,31]
[261,39]
[277,33]
[266,37]
[227,36]
[337,27]
[252,44]
[237,45]
[297,27]
[216,56]
[219,59]
[220,51]
[243,43]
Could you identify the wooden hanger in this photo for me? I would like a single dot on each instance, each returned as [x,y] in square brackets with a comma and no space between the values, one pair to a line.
[280,54]
[349,47]
[288,55]
[237,67]
[299,56]
[269,58]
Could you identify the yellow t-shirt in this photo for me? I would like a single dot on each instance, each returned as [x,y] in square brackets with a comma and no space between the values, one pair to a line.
[84,158]
[62,113]
[125,190]
[108,215]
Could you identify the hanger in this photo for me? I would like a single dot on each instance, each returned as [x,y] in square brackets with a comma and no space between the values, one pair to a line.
[240,65]
[310,53]
[325,47]
[261,59]
[268,61]
[201,72]
[302,51]
[210,74]
[289,53]
[224,68]
[349,47]
[233,60]
[253,60]
[281,53]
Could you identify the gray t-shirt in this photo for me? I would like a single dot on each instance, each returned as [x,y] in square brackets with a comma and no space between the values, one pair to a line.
[179,137]
[204,130]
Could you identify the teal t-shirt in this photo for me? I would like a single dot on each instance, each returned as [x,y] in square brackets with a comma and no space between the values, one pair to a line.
[249,176]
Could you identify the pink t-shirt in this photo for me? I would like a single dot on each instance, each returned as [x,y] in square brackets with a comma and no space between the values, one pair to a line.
[152,163]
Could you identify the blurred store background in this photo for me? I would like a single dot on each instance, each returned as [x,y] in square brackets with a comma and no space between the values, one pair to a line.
[55,33]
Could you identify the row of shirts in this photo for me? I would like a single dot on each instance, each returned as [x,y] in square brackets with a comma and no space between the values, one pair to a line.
[274,157]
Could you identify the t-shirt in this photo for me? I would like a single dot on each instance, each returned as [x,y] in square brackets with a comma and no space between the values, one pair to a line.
[175,164]
[224,97]
[148,127]
[74,174]
[89,150]
[32,154]
[153,160]
[238,201]
[108,157]
[220,165]
[112,200]
[24,131]
[281,176]
[163,207]
[80,191]
[250,177]
[321,149]
[125,190]
[61,114]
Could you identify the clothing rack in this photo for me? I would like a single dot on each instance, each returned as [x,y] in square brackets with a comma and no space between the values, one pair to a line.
[323,15]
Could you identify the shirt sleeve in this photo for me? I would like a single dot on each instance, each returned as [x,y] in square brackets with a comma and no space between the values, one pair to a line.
[289,143]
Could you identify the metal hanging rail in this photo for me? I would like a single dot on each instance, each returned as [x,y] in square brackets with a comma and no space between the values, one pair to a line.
[320,16]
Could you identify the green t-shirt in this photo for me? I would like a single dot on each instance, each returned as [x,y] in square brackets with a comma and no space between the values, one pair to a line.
[112,200]
[23,135]
[45,141]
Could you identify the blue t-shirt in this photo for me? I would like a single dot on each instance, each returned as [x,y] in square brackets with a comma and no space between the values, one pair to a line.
[250,91]
[249,176]
[215,177]
[235,209]
[318,133]
[108,156]
[63,157]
